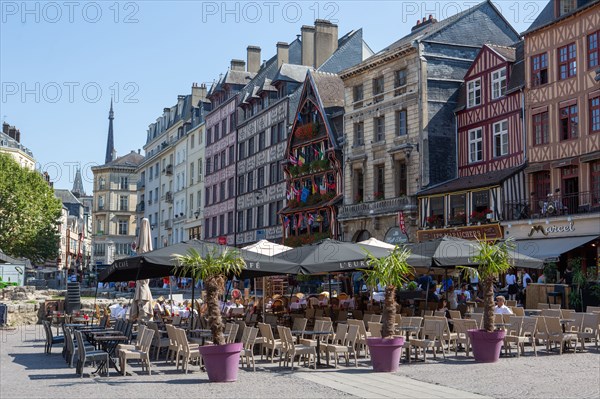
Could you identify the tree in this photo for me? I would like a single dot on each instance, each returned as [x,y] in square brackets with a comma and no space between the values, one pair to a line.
[391,272]
[28,213]
[213,270]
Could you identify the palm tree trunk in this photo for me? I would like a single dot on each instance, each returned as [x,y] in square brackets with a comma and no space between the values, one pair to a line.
[488,304]
[389,312]
[213,287]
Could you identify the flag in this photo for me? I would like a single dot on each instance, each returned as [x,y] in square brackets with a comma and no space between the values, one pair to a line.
[304,195]
[322,188]
[311,219]
[293,160]
[322,151]
[298,194]
[317,152]
[331,186]
[299,117]
[314,187]
[401,222]
[299,220]
[301,159]
[286,222]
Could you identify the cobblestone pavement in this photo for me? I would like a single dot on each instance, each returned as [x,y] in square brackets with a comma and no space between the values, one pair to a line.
[26,372]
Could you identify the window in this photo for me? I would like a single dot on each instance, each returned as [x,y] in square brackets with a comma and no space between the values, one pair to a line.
[569,120]
[595,114]
[595,182]
[231,155]
[480,201]
[242,150]
[401,123]
[222,191]
[567,61]
[124,183]
[213,229]
[241,185]
[223,164]
[541,134]
[378,89]
[192,140]
[229,222]
[214,194]
[539,69]
[474,93]
[379,191]
[500,138]
[400,82]
[475,146]
[359,134]
[199,169]
[249,224]
[209,136]
[592,49]
[566,6]
[401,179]
[100,203]
[156,170]
[272,214]
[123,203]
[123,225]
[207,197]
[240,222]
[458,209]
[232,121]
[282,131]
[198,199]
[251,146]
[216,132]
[273,173]
[379,124]
[261,141]
[273,135]
[357,96]
[230,188]
[208,166]
[260,181]
[206,226]
[541,185]
[192,171]
[222,224]
[224,127]
[358,186]
[250,181]
[260,216]
[150,174]
[498,83]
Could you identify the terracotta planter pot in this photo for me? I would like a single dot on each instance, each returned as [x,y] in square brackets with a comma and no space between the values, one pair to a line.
[221,361]
[486,345]
[385,353]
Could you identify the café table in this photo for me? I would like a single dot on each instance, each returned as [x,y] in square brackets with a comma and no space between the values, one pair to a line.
[109,343]
[408,330]
[317,335]
[532,312]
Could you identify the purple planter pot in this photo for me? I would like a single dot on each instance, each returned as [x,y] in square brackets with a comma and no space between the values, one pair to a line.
[486,345]
[385,353]
[221,361]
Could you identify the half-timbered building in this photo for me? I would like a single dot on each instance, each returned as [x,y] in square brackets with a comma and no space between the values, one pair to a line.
[314,169]
[490,150]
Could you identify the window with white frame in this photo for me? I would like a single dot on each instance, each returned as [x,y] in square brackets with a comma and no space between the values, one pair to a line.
[500,138]
[474,93]
[498,83]
[475,146]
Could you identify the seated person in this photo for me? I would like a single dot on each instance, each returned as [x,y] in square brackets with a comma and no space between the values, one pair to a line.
[452,298]
[442,305]
[464,294]
[236,308]
[500,307]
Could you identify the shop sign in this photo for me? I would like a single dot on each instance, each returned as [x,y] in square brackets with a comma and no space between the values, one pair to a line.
[489,231]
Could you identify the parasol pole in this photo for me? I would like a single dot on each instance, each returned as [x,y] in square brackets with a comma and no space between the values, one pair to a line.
[192,307]
[95,298]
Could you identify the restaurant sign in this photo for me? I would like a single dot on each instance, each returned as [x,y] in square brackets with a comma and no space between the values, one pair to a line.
[395,236]
[489,231]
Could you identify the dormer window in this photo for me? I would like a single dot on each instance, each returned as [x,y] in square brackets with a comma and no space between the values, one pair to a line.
[498,83]
[566,7]
[474,93]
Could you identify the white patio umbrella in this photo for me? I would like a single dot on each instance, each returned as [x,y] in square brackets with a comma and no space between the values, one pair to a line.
[377,243]
[142,301]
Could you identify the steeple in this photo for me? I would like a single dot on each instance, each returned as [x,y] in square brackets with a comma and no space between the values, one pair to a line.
[78,190]
[110,143]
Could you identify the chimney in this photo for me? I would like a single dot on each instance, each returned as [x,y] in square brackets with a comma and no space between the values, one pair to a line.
[423,23]
[308,45]
[253,58]
[198,93]
[283,53]
[18,136]
[238,65]
[139,151]
[12,133]
[326,40]
[5,127]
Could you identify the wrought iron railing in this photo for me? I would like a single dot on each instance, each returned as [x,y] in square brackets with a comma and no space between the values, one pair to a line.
[374,208]
[552,205]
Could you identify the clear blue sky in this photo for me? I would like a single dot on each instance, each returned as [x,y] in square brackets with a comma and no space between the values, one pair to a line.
[60,62]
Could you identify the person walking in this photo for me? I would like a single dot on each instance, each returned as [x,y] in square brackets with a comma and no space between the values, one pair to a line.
[511,282]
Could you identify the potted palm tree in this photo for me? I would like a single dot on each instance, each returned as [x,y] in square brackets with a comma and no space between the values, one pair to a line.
[221,360]
[492,259]
[391,272]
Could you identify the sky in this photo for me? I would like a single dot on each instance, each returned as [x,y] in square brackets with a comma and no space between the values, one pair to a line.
[62,61]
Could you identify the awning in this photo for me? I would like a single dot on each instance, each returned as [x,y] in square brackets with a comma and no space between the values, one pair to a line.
[550,248]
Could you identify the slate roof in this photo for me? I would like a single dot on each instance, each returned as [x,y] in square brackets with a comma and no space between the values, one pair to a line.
[471,182]
[65,196]
[291,73]
[133,159]
[330,88]
[547,17]
[508,53]
[352,50]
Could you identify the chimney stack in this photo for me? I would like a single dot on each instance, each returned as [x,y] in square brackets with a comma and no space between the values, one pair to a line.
[308,45]
[253,58]
[326,40]
[283,53]
[238,65]
[5,127]
[198,93]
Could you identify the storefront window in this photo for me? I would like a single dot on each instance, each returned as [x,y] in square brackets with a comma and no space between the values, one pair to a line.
[436,217]
[480,206]
[457,209]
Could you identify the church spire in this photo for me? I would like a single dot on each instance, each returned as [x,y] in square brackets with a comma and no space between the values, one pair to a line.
[78,189]
[110,143]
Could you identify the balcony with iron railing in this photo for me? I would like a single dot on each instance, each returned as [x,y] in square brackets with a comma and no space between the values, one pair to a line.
[374,208]
[140,207]
[552,205]
[141,184]
[169,196]
[168,170]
